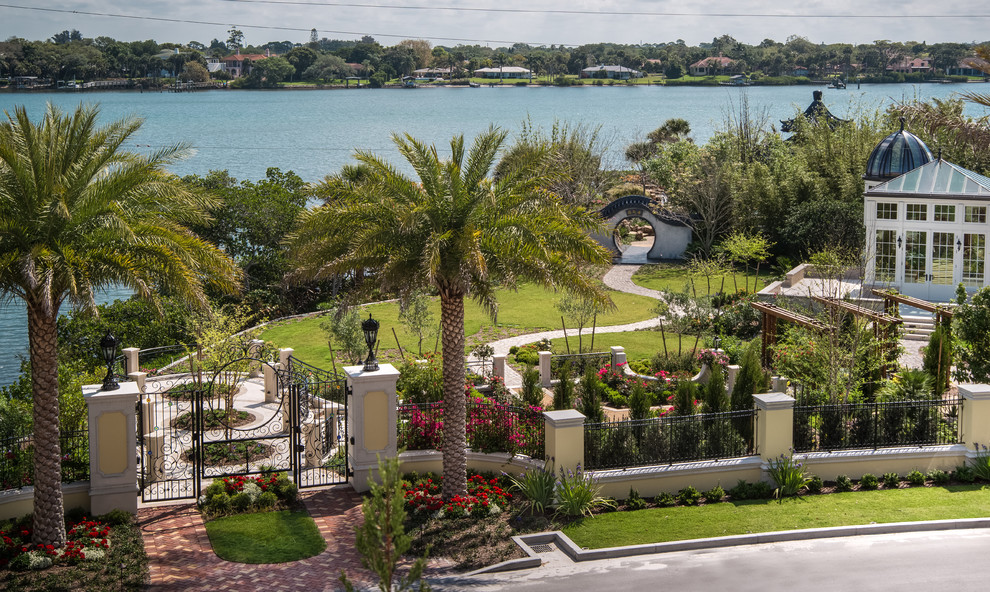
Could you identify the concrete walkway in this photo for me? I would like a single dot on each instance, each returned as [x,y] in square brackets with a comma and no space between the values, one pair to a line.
[618,278]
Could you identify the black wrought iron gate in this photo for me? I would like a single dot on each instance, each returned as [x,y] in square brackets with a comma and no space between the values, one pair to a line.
[199,426]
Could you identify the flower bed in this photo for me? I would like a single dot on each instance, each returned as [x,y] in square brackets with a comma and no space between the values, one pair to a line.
[485,497]
[246,493]
[85,540]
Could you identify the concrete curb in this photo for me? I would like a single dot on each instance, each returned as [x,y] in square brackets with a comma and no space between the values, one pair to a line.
[578,554]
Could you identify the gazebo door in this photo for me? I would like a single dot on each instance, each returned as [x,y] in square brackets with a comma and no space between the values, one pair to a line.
[930,265]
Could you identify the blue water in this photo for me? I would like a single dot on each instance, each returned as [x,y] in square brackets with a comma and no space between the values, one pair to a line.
[315,132]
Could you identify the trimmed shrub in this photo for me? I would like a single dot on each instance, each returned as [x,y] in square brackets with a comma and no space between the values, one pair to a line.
[815,484]
[891,480]
[665,500]
[843,483]
[869,481]
[634,501]
[938,477]
[714,495]
[916,478]
[689,496]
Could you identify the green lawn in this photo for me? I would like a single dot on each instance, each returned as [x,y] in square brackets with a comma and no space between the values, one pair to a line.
[531,307]
[838,509]
[639,344]
[674,277]
[265,537]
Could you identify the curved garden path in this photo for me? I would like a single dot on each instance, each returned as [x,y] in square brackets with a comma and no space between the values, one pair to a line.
[619,278]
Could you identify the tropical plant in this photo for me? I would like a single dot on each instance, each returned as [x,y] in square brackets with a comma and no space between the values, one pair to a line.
[578,493]
[788,475]
[78,213]
[981,462]
[538,487]
[456,231]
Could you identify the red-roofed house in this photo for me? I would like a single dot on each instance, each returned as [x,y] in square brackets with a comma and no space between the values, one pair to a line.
[239,64]
[713,66]
[912,65]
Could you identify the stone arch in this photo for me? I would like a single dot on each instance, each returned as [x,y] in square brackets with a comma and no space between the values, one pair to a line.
[671,233]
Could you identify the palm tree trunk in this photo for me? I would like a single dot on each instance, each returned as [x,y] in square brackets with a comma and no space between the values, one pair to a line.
[49,522]
[454,438]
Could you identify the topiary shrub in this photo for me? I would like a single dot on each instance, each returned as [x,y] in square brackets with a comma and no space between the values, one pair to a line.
[916,478]
[714,495]
[689,496]
[869,481]
[891,480]
[843,483]
[938,476]
[665,500]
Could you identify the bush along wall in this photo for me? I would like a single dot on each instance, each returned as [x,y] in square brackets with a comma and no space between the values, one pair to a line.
[252,493]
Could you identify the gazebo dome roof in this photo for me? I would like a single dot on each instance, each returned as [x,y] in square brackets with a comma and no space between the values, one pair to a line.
[895,155]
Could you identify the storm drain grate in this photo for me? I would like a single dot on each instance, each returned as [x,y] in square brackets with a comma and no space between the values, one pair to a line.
[545,548]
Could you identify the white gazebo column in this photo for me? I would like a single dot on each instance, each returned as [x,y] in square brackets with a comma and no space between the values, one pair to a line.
[372,417]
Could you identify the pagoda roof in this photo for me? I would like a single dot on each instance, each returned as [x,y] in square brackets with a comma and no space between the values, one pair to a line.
[815,111]
[939,179]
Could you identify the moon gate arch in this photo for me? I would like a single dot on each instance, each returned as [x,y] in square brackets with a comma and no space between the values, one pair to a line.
[672,234]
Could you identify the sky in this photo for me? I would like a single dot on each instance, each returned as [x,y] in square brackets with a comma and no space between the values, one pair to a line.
[502,22]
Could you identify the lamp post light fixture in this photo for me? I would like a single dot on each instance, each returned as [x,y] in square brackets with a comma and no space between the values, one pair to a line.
[109,346]
[370,328]
[900,241]
[958,244]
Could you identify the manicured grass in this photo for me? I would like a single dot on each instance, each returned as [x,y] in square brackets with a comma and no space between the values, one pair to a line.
[673,277]
[639,344]
[818,511]
[265,537]
[531,307]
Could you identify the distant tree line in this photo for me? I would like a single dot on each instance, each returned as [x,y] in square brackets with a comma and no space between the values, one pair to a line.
[68,54]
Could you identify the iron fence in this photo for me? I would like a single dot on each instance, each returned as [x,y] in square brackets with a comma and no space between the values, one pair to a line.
[579,362]
[490,427]
[668,439]
[874,425]
[17,459]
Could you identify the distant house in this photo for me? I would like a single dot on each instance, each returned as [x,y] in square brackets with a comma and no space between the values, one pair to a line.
[433,73]
[713,66]
[911,66]
[969,67]
[239,64]
[358,68]
[214,65]
[503,72]
[611,72]
[799,71]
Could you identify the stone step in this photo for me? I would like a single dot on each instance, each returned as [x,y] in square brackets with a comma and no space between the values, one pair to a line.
[914,337]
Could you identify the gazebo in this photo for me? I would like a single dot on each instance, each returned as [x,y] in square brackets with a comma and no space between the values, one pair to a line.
[816,111]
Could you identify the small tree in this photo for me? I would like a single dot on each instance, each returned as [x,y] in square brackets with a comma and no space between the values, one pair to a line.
[971,323]
[343,327]
[937,360]
[591,391]
[714,395]
[581,311]
[381,539]
[415,313]
[532,392]
[639,403]
[563,393]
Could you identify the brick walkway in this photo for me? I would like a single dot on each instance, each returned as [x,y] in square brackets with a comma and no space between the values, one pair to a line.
[182,559]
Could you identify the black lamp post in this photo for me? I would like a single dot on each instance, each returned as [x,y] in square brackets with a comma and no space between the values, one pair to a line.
[109,346]
[370,328]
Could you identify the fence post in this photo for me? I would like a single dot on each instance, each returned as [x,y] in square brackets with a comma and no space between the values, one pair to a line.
[564,438]
[731,372]
[618,355]
[271,384]
[498,367]
[372,417]
[545,369]
[112,447]
[283,356]
[131,362]
[974,417]
[774,425]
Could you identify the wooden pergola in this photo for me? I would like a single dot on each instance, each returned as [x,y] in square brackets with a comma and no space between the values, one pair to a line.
[884,326]
[891,299]
[771,313]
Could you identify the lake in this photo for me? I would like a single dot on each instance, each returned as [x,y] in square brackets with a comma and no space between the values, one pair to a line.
[315,132]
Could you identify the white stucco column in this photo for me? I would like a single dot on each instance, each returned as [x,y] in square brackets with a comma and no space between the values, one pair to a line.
[372,416]
[112,447]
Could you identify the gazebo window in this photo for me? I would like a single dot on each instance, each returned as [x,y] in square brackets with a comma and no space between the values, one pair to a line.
[886,255]
[945,213]
[977,214]
[917,212]
[915,254]
[886,211]
[973,253]
[942,251]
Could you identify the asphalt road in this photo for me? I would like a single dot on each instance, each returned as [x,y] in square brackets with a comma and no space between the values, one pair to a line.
[956,560]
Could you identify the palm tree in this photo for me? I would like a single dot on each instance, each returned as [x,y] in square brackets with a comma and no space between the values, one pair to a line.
[77,214]
[456,231]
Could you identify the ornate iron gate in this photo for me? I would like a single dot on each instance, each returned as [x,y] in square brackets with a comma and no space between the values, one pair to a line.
[196,427]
